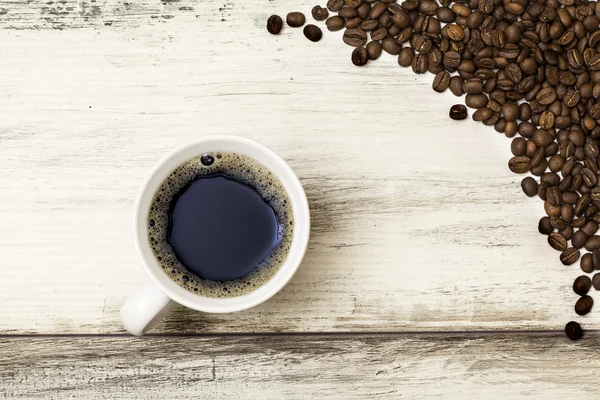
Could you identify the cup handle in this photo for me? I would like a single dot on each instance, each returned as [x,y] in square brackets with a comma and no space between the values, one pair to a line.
[145,308]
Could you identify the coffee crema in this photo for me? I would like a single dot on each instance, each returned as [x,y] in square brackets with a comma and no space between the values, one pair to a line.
[236,167]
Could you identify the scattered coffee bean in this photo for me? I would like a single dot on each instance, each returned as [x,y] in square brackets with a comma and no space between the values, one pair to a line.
[579,239]
[582,285]
[359,56]
[319,13]
[313,33]
[584,305]
[458,112]
[573,330]
[274,24]
[295,19]
[441,81]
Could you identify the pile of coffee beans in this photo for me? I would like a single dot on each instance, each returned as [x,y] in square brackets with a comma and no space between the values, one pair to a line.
[530,69]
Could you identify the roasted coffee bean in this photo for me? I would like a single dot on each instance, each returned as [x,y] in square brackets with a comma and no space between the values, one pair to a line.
[313,33]
[274,24]
[518,146]
[360,56]
[518,164]
[352,23]
[476,100]
[596,259]
[353,3]
[451,59]
[596,281]
[374,49]
[348,13]
[546,96]
[557,241]
[319,13]
[587,264]
[335,23]
[593,243]
[582,285]
[355,37]
[441,81]
[584,305]
[473,86]
[446,15]
[295,19]
[552,210]
[483,114]
[544,226]
[573,330]
[554,196]
[579,239]
[335,5]
[420,64]
[390,46]
[381,33]
[406,56]
[588,177]
[456,84]
[459,112]
[569,256]
[528,184]
[369,24]
[590,228]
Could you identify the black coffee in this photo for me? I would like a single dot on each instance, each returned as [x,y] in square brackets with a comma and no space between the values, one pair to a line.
[220,228]
[221,225]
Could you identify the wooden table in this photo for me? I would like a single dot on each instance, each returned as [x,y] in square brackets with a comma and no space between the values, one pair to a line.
[425,276]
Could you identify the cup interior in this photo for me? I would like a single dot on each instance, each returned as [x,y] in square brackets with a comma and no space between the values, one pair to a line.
[195,148]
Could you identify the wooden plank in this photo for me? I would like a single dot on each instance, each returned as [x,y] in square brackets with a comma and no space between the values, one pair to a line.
[418,224]
[291,367]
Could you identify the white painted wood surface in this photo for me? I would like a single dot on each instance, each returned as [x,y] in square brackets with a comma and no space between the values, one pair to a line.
[418,224]
[494,367]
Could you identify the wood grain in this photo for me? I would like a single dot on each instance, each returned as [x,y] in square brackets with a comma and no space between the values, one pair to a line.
[418,224]
[291,367]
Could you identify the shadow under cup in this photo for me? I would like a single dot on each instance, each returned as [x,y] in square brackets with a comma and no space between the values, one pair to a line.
[299,206]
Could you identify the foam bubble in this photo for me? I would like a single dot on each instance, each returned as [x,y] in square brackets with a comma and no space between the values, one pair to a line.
[246,170]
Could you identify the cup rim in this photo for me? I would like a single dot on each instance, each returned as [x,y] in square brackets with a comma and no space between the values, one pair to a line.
[276,165]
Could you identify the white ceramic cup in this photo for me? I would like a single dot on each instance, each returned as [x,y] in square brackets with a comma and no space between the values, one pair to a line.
[153,300]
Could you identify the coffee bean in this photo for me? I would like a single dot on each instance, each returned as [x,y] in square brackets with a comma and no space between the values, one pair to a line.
[519,164]
[593,243]
[369,25]
[319,13]
[474,86]
[441,81]
[590,227]
[476,100]
[295,19]
[518,146]
[546,96]
[528,184]
[353,3]
[352,23]
[557,241]
[274,24]
[390,46]
[420,63]
[554,196]
[459,112]
[584,305]
[483,114]
[573,330]
[348,13]
[451,59]
[374,49]
[587,264]
[596,259]
[569,256]
[596,281]
[355,37]
[335,5]
[406,56]
[313,33]
[582,285]
[579,239]
[588,177]
[544,226]
[359,56]
[456,84]
[335,23]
